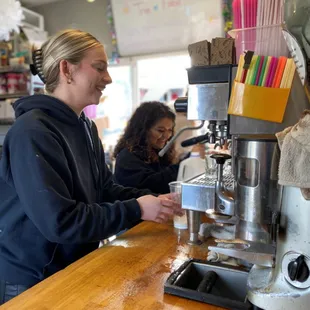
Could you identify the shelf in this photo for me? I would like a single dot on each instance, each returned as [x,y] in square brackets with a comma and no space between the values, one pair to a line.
[12,96]
[7,121]
[15,69]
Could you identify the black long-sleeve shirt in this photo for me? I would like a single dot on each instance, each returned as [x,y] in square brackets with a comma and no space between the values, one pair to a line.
[131,170]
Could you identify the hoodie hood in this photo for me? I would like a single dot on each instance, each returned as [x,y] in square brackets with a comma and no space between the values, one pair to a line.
[51,106]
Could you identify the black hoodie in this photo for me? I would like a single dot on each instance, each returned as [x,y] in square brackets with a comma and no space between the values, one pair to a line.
[57,197]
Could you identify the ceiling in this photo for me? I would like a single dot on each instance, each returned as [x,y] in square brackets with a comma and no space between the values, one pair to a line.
[33,3]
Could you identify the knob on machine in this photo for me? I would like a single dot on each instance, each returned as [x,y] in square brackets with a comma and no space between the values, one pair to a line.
[298,269]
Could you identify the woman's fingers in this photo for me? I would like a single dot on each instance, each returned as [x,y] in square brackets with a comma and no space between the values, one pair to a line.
[167,211]
[161,218]
[175,206]
[159,209]
[179,212]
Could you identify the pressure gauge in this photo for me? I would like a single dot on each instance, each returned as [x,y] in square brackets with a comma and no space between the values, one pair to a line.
[297,54]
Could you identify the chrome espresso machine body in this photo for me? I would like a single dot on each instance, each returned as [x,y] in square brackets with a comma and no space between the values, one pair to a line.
[250,198]
[226,196]
[208,96]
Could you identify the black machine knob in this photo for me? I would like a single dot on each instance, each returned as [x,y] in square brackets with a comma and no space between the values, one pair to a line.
[298,269]
[220,158]
[180,105]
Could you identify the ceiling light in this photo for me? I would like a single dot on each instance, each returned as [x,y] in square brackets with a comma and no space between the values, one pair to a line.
[90,1]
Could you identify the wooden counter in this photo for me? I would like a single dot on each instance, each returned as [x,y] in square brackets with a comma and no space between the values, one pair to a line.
[128,273]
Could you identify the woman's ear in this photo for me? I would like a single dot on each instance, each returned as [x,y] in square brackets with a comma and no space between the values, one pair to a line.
[65,71]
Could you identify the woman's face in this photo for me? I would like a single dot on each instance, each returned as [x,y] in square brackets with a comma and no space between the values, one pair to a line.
[160,133]
[90,76]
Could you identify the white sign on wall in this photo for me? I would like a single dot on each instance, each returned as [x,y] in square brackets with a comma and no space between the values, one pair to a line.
[158,26]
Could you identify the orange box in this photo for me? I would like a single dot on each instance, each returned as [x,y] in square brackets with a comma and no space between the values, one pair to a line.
[264,103]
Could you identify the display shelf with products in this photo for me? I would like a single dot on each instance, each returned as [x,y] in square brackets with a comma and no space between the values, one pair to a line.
[8,121]
[6,110]
[15,69]
[15,55]
[16,48]
[14,84]
[13,96]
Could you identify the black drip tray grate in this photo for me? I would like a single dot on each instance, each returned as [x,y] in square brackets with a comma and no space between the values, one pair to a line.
[212,283]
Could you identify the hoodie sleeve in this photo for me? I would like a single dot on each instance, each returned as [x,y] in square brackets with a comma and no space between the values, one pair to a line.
[41,176]
[130,170]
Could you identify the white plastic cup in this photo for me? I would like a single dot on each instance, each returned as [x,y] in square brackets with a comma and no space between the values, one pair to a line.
[179,222]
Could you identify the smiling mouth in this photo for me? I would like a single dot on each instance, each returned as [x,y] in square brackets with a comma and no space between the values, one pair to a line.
[101,89]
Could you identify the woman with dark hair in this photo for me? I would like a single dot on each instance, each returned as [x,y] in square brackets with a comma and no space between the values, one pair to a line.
[137,161]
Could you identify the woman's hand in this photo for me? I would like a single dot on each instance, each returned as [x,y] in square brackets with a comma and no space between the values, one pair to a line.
[159,209]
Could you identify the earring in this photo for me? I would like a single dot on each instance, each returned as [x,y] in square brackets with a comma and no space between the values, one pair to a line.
[69,81]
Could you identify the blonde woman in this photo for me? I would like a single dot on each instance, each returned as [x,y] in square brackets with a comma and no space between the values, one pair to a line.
[57,195]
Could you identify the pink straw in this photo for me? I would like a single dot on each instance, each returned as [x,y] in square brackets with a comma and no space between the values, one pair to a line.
[237,13]
[272,71]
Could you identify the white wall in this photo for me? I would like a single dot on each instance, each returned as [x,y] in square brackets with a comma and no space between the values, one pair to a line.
[90,17]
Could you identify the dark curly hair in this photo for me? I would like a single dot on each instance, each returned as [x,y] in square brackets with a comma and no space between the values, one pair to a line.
[136,132]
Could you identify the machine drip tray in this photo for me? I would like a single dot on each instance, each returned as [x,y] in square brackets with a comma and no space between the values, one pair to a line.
[212,283]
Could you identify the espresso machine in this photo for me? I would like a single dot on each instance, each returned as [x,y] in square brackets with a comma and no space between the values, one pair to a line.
[271,222]
[250,202]
[211,85]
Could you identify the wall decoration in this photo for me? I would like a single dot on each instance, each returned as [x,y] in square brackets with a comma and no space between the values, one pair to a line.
[227,15]
[161,26]
[110,20]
